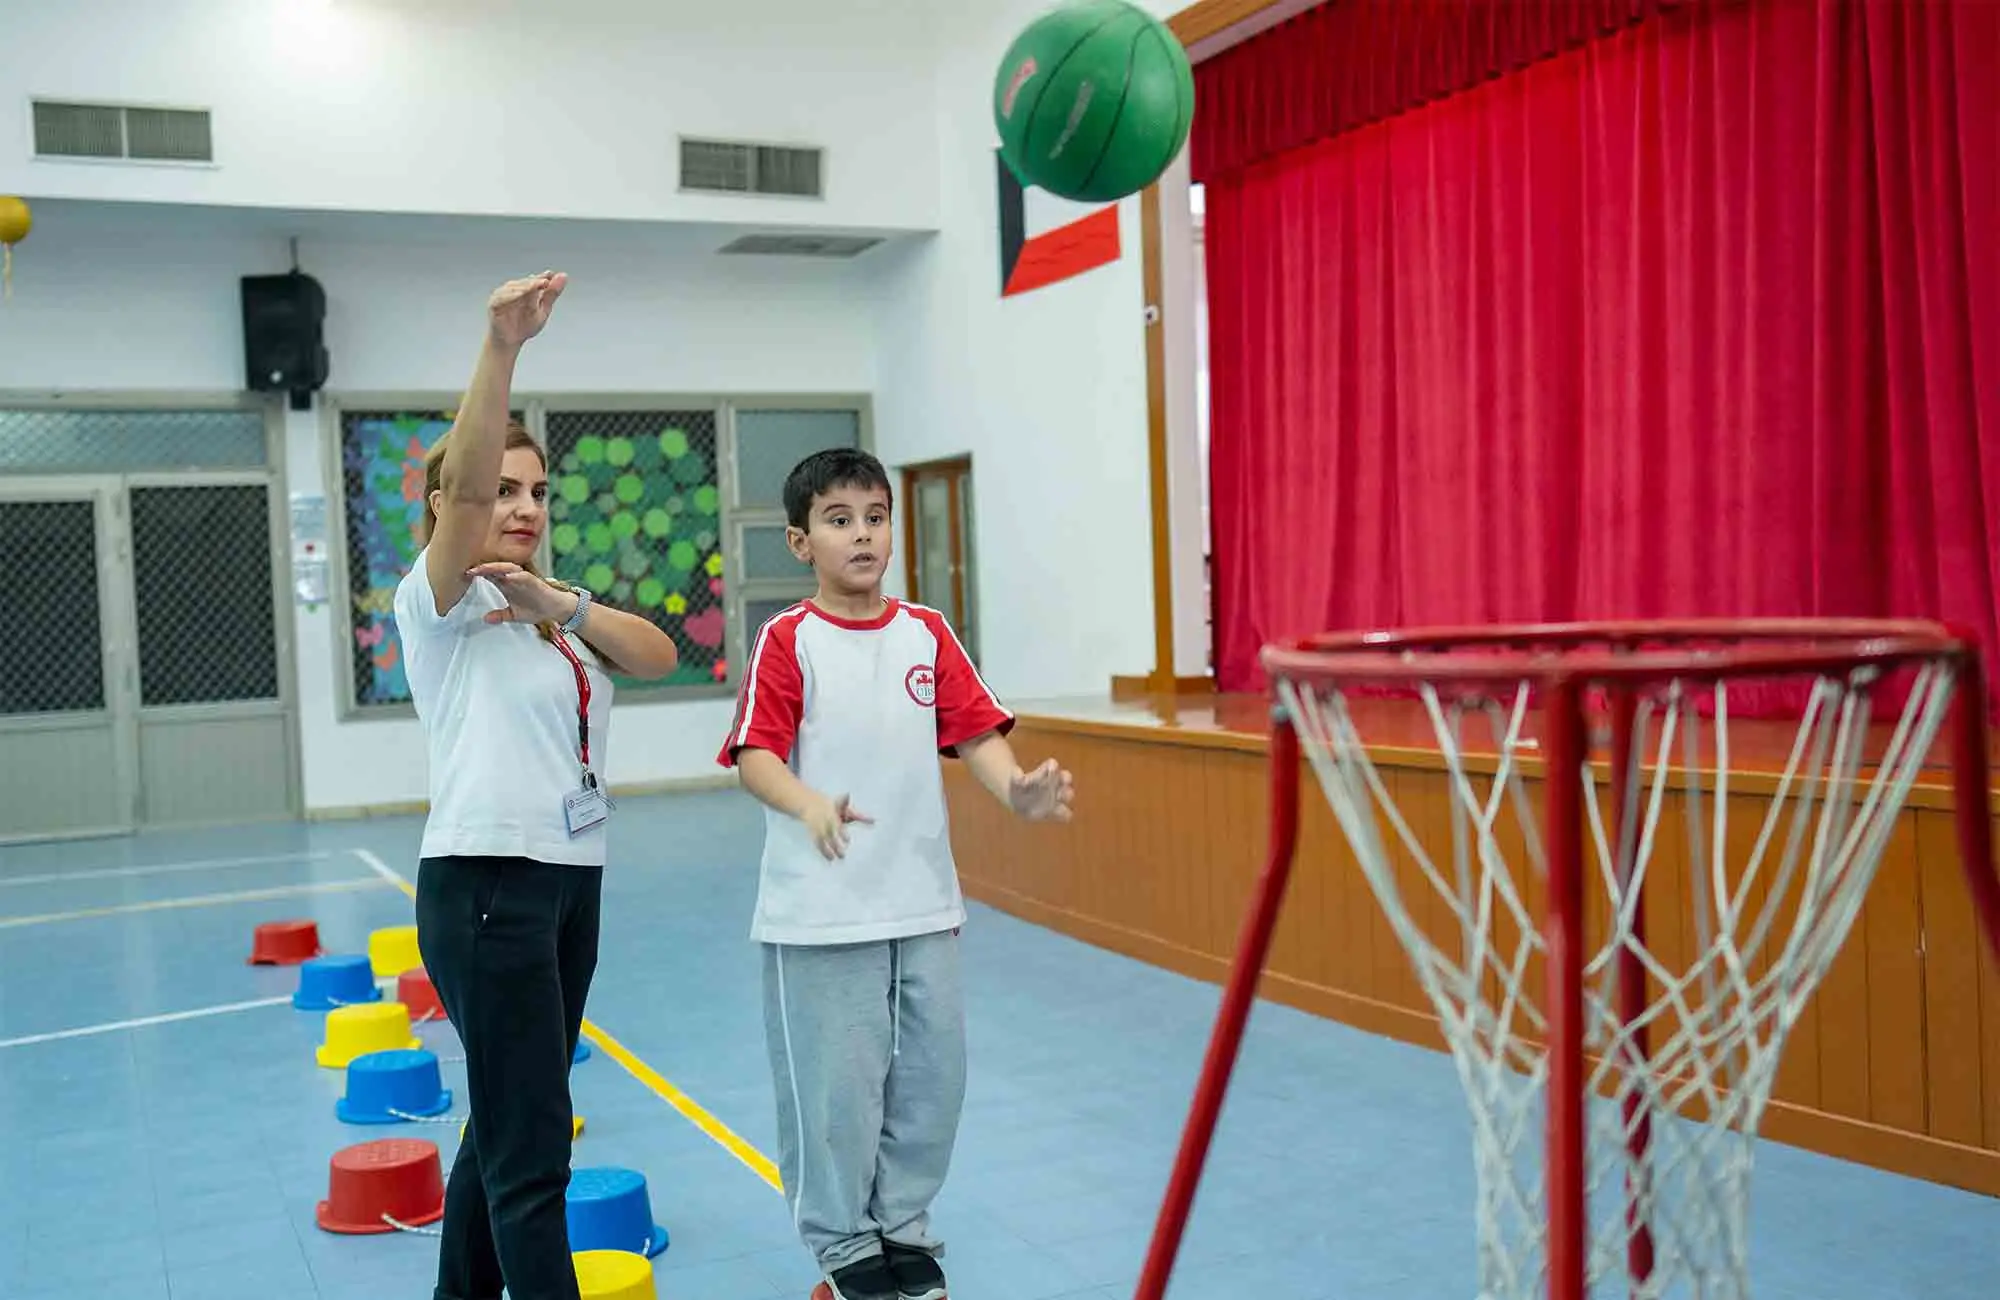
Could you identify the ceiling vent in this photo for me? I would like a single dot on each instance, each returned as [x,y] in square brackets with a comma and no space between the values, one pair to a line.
[119,132]
[801,245]
[731,167]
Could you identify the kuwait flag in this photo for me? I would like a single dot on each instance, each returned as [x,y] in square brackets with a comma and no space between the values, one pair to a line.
[1044,239]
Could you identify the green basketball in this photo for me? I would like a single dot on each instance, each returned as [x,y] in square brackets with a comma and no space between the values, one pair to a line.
[1093,101]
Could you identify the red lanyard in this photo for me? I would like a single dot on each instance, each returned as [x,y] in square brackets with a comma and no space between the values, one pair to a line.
[582,698]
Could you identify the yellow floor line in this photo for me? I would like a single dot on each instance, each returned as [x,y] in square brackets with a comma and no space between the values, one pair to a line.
[197,900]
[689,1109]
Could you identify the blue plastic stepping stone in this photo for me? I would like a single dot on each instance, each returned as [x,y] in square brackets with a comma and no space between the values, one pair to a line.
[329,982]
[582,1053]
[392,1088]
[609,1210]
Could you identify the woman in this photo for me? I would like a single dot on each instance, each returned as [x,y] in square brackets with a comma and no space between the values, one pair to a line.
[507,672]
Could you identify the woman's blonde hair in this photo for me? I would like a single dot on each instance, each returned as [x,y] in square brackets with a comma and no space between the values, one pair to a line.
[517,437]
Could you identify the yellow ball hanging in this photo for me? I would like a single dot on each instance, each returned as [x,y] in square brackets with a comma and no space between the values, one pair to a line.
[15,223]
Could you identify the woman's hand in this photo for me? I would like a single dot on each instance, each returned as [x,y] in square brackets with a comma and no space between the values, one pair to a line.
[529,599]
[519,308]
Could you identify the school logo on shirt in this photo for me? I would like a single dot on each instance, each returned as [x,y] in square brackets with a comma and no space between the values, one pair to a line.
[921,683]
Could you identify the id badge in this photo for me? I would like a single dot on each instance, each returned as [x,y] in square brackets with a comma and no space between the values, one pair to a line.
[586,807]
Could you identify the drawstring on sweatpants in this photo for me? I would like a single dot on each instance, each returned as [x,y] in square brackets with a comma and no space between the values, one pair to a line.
[896,997]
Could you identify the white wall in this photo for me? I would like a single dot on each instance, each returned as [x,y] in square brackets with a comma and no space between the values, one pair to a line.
[497,107]
[110,297]
[1046,391]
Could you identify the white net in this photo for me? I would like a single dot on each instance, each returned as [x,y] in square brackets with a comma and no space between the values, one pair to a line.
[1774,866]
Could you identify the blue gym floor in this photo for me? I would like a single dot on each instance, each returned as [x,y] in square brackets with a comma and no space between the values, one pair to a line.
[183,1158]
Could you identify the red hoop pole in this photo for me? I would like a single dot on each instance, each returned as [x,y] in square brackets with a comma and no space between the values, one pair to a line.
[1562,929]
[1632,993]
[1972,798]
[1252,947]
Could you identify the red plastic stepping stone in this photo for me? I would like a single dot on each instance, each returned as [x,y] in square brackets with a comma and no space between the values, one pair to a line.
[415,991]
[285,943]
[369,1184]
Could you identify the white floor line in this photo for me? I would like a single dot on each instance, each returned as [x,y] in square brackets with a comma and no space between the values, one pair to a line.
[387,872]
[117,1026]
[198,900]
[161,869]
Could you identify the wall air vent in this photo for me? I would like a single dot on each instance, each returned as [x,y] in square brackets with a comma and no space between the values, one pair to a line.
[122,132]
[732,167]
[801,245]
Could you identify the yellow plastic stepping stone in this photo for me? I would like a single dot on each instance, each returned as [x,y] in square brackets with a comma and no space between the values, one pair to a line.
[393,951]
[368,1027]
[614,1275]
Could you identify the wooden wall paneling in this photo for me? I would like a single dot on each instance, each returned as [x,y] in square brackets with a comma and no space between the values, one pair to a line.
[1892,920]
[1750,894]
[1230,851]
[1426,800]
[1896,1063]
[1188,903]
[1669,897]
[1339,890]
[1989,1015]
[1843,1028]
[1391,978]
[1296,947]
[1142,856]
[1798,1081]
[1952,957]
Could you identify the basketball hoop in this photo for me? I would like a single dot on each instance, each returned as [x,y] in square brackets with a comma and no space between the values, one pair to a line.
[1646,1067]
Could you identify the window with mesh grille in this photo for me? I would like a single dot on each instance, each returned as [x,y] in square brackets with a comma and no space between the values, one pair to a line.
[51,441]
[201,573]
[635,515]
[48,604]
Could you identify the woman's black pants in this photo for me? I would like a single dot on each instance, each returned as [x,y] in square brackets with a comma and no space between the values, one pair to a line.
[511,945]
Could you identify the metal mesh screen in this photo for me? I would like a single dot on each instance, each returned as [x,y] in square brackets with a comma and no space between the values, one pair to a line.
[635,516]
[201,572]
[90,442]
[48,604]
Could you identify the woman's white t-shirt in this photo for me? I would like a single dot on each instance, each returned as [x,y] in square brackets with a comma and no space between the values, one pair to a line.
[498,705]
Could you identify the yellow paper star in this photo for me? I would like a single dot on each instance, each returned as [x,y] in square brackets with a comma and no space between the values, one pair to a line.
[676,604]
[714,566]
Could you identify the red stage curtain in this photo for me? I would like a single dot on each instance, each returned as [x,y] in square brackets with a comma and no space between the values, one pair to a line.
[1346,63]
[1701,319]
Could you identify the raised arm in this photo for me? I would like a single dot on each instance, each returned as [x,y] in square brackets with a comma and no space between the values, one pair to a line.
[478,439]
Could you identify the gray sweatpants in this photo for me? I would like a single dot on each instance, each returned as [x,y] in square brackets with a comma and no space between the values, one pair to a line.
[867,1049]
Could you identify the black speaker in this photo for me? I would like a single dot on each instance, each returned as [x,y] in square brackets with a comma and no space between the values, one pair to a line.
[282,347]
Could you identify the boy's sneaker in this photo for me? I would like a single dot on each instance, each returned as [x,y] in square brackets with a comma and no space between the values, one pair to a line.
[864,1279]
[917,1274]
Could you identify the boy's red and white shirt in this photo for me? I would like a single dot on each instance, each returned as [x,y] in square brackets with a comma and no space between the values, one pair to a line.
[861,708]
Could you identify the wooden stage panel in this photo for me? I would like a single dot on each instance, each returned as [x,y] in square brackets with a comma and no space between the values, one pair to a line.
[1895,1062]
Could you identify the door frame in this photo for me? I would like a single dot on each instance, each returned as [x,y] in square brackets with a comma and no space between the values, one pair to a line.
[276,477]
[117,630]
[278,540]
[951,469]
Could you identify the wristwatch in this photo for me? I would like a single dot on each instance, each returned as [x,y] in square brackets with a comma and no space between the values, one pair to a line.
[575,620]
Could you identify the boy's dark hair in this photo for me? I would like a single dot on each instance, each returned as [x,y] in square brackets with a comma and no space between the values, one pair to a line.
[826,470]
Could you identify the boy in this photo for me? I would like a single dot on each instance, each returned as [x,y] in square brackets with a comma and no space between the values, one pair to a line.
[848,700]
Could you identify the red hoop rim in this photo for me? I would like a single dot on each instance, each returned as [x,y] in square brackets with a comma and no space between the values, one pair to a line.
[1628,652]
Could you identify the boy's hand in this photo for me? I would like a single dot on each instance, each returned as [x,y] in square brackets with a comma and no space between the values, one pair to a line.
[828,820]
[1042,795]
